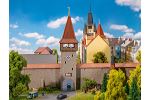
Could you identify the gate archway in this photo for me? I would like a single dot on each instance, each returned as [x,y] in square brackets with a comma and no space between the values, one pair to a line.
[68,85]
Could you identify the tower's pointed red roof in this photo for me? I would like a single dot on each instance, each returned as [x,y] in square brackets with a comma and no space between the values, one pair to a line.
[68,35]
[100,31]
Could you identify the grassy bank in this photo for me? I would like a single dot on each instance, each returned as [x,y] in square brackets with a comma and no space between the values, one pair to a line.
[82,96]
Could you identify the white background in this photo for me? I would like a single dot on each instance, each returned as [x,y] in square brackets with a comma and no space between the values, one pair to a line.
[4,52]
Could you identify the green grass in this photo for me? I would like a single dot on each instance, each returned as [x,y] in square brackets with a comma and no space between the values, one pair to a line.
[82,96]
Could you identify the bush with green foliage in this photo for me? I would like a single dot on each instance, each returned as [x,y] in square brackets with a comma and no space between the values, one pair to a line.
[127,88]
[138,56]
[119,60]
[93,91]
[99,96]
[49,89]
[128,57]
[18,83]
[88,84]
[136,73]
[100,57]
[102,97]
[135,79]
[115,90]
[134,91]
[104,83]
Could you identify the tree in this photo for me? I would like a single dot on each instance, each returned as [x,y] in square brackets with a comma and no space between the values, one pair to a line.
[18,83]
[55,53]
[99,96]
[104,82]
[136,73]
[128,57]
[134,93]
[118,60]
[88,84]
[115,90]
[126,88]
[100,57]
[138,56]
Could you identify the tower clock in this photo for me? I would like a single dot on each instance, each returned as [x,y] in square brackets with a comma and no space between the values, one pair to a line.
[68,48]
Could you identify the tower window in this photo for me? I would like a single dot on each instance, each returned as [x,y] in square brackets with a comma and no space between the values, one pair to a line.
[72,68]
[72,55]
[65,45]
[65,62]
[71,45]
[90,27]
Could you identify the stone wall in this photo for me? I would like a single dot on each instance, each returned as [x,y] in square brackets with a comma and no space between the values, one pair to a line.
[97,73]
[39,77]
[93,73]
[50,76]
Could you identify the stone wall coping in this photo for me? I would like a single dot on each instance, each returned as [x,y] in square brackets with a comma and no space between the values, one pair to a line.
[80,66]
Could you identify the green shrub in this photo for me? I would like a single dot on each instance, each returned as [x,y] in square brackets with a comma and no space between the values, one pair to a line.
[93,91]
[48,89]
[102,96]
[97,96]
[88,84]
[104,82]
[100,57]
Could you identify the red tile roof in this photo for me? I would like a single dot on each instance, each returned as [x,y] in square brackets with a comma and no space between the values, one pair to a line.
[107,65]
[43,50]
[100,31]
[42,66]
[68,35]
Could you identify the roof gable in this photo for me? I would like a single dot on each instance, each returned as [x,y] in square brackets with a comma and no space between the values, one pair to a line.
[100,31]
[68,35]
[43,50]
[94,39]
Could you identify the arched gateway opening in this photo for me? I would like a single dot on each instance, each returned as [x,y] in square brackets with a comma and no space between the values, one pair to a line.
[67,85]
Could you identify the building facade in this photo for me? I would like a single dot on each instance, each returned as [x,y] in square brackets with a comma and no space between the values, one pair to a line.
[43,69]
[68,48]
[93,41]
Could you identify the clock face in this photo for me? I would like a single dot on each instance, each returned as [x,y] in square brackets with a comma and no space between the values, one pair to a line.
[68,57]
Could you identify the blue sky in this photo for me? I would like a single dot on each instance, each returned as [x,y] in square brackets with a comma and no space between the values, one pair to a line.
[36,23]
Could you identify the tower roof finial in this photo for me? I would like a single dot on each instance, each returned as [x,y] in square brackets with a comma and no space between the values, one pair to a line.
[68,11]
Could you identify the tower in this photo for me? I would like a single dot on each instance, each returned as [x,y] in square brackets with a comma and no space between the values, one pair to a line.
[68,48]
[89,28]
[89,33]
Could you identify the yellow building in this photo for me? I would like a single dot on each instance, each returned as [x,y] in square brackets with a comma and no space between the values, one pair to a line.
[93,41]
